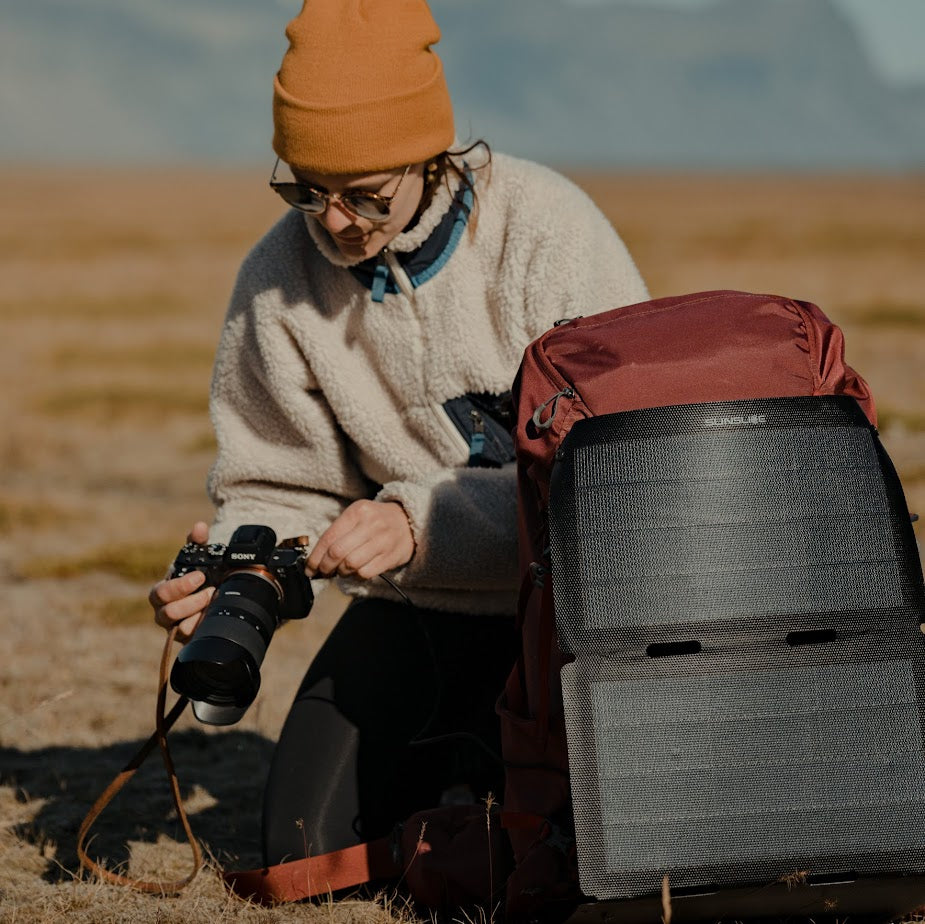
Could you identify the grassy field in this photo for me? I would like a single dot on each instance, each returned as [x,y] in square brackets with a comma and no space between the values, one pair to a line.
[112,291]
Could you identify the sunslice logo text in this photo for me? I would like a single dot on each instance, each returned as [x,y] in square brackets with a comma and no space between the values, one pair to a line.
[735,421]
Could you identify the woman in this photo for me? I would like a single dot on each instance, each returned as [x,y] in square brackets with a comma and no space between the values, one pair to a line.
[395,298]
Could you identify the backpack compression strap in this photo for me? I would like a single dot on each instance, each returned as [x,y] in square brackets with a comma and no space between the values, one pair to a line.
[312,876]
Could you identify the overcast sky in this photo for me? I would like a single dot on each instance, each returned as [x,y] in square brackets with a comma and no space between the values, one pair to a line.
[893,30]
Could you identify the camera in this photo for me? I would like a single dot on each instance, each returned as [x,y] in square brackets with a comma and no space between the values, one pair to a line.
[258,585]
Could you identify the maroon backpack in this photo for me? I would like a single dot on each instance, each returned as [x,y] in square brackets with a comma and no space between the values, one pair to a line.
[704,347]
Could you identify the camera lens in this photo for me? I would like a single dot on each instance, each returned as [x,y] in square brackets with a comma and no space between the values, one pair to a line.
[220,666]
[219,678]
[216,671]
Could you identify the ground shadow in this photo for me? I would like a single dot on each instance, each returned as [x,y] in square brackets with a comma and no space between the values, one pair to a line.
[230,770]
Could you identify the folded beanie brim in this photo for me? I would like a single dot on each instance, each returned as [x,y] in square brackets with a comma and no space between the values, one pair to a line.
[363,137]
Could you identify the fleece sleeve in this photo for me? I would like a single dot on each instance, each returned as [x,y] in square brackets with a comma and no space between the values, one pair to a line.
[282,459]
[465,520]
[577,265]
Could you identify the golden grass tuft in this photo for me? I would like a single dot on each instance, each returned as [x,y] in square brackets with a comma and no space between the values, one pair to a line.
[85,240]
[887,313]
[913,474]
[760,237]
[795,878]
[120,402]
[133,562]
[204,442]
[119,611]
[16,514]
[127,305]
[890,417]
[160,357]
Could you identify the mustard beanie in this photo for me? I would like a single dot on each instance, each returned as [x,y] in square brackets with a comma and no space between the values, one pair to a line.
[360,89]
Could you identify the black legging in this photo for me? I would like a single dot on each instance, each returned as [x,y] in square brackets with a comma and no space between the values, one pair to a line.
[397,707]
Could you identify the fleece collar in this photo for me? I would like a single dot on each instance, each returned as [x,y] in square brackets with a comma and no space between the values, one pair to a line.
[420,253]
[381,275]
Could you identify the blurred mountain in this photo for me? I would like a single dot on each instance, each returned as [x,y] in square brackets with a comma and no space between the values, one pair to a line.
[736,85]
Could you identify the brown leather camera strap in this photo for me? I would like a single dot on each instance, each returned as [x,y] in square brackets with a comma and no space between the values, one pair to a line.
[162,726]
[289,881]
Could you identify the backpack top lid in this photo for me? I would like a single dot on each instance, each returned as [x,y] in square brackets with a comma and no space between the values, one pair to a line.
[708,346]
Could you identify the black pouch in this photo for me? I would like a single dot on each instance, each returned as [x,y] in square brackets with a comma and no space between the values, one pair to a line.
[485,421]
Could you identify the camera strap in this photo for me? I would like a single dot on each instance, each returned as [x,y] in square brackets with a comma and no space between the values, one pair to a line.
[305,878]
[159,738]
[401,854]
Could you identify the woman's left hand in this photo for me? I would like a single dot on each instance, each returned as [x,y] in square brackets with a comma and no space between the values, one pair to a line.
[369,537]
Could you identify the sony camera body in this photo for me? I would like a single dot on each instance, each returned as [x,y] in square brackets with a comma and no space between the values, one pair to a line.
[258,585]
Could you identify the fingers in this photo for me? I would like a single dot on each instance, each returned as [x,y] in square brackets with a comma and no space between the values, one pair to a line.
[181,601]
[171,606]
[336,542]
[167,613]
[368,538]
[186,613]
[188,627]
[360,560]
[172,589]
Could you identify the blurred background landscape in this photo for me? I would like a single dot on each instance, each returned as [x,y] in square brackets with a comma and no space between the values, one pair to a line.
[714,84]
[767,145]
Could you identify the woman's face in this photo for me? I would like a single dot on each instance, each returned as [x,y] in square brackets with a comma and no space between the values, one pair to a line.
[359,238]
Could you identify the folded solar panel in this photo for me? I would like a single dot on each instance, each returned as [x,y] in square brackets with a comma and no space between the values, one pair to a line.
[739,588]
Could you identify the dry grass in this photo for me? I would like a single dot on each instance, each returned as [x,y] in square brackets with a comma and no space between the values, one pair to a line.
[202,442]
[140,562]
[17,515]
[883,314]
[111,310]
[96,308]
[890,418]
[118,611]
[116,401]
[162,358]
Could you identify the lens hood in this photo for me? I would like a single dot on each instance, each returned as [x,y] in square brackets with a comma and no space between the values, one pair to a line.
[216,671]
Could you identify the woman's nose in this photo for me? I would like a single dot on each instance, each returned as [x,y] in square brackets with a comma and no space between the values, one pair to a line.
[335,217]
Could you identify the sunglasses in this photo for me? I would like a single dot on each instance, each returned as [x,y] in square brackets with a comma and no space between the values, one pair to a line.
[314,201]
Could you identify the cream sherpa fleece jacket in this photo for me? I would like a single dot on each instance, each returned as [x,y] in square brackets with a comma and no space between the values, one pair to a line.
[321,396]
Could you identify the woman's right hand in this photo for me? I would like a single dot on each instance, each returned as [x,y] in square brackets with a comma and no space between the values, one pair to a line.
[182,600]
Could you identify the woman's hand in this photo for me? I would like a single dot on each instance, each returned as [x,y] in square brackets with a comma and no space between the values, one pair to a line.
[369,537]
[180,600]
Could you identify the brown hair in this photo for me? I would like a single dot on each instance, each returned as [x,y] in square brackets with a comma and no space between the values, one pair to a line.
[445,166]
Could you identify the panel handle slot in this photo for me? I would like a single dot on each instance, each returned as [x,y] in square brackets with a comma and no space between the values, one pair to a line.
[668,649]
[811,637]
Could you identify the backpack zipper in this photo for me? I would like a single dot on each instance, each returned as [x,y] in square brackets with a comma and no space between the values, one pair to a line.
[553,405]
[477,440]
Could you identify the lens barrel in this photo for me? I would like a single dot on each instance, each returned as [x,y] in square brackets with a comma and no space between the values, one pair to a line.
[219,669]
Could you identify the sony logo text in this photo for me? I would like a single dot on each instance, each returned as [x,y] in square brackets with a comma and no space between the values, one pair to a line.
[243,556]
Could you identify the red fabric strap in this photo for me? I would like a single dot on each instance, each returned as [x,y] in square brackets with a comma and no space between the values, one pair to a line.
[511,820]
[319,875]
